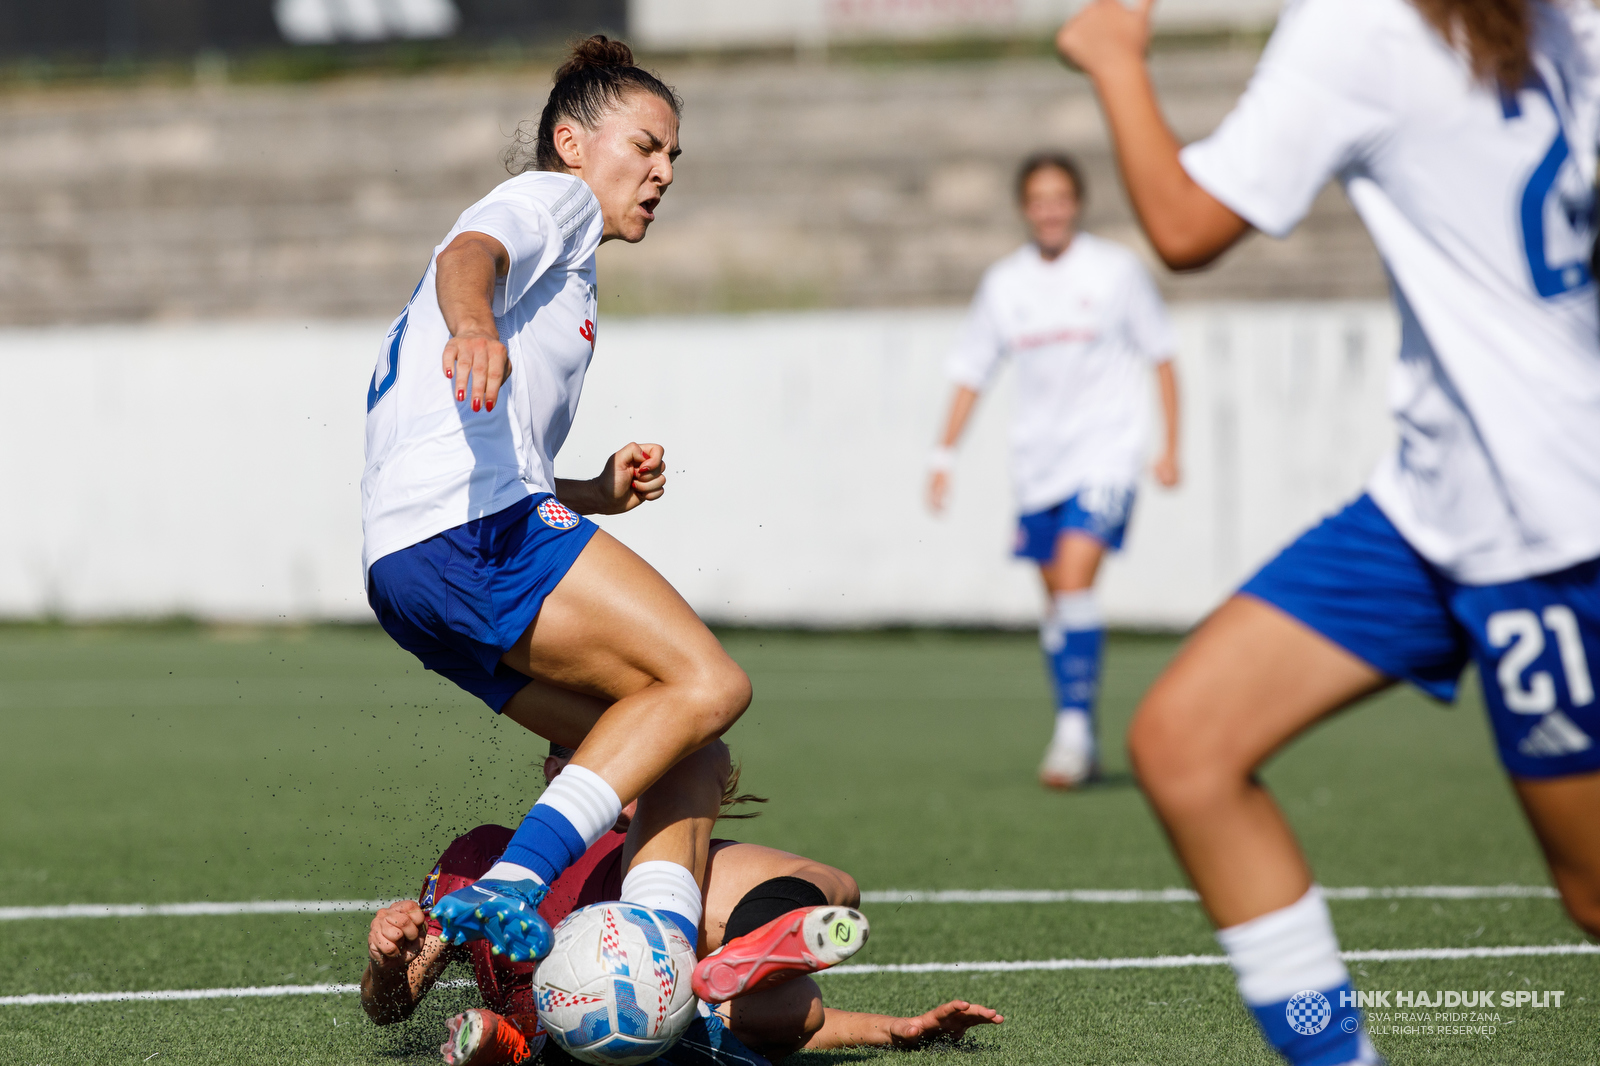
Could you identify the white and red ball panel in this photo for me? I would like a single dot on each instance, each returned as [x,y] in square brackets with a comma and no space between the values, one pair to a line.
[614,989]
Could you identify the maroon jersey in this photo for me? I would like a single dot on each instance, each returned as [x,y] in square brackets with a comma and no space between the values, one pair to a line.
[595,878]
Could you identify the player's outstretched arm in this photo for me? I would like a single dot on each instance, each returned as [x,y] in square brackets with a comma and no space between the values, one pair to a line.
[944,1024]
[636,474]
[962,402]
[1166,469]
[403,962]
[1187,225]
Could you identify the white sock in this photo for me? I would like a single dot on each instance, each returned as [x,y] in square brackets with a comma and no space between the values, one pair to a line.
[584,799]
[1073,730]
[510,871]
[1073,611]
[588,804]
[1286,951]
[664,886]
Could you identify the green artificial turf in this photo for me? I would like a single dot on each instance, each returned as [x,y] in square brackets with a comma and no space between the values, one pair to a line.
[158,765]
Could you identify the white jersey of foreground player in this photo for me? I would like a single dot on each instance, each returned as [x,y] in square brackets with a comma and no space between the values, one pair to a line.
[1084,331]
[433,463]
[1482,208]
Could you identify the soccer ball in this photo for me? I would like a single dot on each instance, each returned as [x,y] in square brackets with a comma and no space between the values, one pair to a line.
[614,989]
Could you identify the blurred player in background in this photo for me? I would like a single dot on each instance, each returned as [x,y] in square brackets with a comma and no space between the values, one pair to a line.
[476,560]
[1082,321]
[747,886]
[1464,133]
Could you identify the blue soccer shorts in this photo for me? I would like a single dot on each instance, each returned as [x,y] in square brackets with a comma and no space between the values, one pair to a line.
[1356,581]
[1101,513]
[460,599]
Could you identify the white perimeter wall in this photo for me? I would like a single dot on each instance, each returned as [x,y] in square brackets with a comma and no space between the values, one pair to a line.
[810,23]
[214,469]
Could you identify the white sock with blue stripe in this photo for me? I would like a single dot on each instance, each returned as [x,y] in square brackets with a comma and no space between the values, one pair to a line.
[671,891]
[576,810]
[1292,979]
[1072,636]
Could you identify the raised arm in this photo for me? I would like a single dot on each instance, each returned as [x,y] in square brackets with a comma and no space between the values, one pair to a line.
[1187,225]
[474,358]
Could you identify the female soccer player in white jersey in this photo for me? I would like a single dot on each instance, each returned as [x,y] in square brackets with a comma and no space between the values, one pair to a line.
[1082,321]
[1464,134]
[476,561]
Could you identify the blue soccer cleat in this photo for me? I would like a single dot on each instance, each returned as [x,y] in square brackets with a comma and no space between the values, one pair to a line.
[709,1042]
[505,913]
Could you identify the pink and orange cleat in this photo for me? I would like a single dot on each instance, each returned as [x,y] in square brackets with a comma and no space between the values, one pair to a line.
[800,942]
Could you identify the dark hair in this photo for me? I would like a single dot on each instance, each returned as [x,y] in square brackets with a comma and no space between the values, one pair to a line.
[1051,160]
[559,752]
[1494,34]
[595,80]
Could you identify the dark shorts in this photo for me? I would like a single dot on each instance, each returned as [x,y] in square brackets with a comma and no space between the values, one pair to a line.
[461,598]
[1101,513]
[1356,581]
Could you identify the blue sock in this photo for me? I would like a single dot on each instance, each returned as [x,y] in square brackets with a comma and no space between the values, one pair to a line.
[546,843]
[1073,637]
[1312,1028]
[689,929]
[577,809]
[1294,982]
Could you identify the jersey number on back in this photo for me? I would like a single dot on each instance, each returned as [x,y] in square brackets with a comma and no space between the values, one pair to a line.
[390,366]
[1556,194]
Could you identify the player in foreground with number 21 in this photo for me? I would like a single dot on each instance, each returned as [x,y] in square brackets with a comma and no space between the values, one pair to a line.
[1463,132]
[476,562]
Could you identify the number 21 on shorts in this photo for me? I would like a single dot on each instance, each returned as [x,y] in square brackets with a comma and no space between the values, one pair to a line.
[1522,633]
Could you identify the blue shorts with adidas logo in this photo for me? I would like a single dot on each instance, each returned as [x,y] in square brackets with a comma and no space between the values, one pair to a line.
[1356,581]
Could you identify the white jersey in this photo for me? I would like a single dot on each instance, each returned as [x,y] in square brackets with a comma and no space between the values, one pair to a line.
[1481,204]
[1084,331]
[434,463]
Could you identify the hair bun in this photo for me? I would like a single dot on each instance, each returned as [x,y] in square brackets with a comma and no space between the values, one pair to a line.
[594,52]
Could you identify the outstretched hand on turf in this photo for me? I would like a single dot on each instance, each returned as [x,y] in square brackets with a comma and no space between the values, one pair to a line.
[942,1025]
[397,934]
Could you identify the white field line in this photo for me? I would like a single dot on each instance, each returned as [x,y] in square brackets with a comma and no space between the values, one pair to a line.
[1184,895]
[1155,962]
[1170,962]
[169,994]
[188,910]
[997,895]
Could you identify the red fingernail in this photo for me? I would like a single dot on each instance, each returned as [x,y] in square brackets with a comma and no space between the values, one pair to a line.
[449,373]
[461,394]
[491,405]
[477,404]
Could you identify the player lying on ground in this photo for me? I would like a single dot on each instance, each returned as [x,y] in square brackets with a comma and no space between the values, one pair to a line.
[747,886]
[1463,132]
[1085,326]
[475,560]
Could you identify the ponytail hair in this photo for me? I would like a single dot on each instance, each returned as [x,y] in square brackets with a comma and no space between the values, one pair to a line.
[1495,35]
[595,80]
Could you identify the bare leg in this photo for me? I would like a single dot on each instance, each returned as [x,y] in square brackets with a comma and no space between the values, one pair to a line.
[554,713]
[1248,681]
[675,815]
[1565,813]
[777,1022]
[613,628]
[735,869]
[1075,565]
